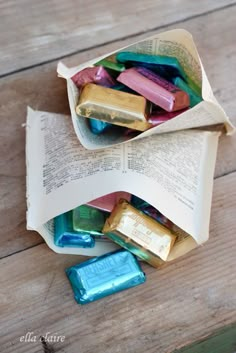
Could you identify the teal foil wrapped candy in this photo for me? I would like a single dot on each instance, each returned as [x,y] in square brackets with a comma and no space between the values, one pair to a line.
[98,126]
[165,65]
[88,220]
[65,235]
[104,275]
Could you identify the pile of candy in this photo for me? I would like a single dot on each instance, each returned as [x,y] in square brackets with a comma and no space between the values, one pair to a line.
[134,91]
[128,221]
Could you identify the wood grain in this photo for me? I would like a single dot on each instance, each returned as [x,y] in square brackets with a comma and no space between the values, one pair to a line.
[180,303]
[32,32]
[40,88]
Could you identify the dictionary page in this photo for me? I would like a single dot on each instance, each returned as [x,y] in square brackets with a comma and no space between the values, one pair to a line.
[176,43]
[173,172]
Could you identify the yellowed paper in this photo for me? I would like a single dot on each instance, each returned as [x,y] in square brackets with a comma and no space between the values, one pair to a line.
[171,171]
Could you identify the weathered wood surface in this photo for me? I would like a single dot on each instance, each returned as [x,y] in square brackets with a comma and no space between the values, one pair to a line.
[36,31]
[183,301]
[187,299]
[41,89]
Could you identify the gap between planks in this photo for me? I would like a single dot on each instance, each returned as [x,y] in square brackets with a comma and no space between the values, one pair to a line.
[100,45]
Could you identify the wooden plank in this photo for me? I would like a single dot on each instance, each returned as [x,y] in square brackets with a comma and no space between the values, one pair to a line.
[35,32]
[40,88]
[223,341]
[180,303]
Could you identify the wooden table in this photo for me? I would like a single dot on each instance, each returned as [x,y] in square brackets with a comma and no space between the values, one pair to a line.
[182,303]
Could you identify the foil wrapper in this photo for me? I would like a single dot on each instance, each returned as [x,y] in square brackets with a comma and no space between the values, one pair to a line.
[194,97]
[166,66]
[111,65]
[139,234]
[108,202]
[113,106]
[151,211]
[96,75]
[155,88]
[160,116]
[88,220]
[98,127]
[104,275]
[65,235]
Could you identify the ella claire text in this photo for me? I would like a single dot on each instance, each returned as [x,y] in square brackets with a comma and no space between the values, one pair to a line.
[48,337]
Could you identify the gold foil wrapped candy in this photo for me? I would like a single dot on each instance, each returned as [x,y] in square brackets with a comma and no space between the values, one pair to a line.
[113,106]
[139,233]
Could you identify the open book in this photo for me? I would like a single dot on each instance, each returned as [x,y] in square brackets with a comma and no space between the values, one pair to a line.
[173,172]
[175,43]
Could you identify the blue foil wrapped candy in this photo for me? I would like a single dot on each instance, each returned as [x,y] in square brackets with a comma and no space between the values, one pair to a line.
[98,126]
[65,235]
[104,275]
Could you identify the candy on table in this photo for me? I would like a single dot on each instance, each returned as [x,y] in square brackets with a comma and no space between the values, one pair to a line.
[139,233]
[88,219]
[108,202]
[95,74]
[65,235]
[155,88]
[104,275]
[115,107]
[194,98]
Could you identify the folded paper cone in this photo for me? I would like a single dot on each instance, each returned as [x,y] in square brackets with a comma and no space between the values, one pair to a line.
[177,44]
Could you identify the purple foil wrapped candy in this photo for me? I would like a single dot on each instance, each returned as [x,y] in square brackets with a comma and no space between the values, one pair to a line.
[96,75]
[160,116]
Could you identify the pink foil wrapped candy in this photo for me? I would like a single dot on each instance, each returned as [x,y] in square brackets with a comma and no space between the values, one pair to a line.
[160,116]
[96,75]
[155,88]
[108,202]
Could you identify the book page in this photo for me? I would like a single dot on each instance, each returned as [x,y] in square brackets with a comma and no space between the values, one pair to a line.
[171,171]
[176,43]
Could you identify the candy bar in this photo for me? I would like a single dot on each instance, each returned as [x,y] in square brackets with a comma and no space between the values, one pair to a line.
[104,275]
[88,219]
[108,202]
[166,65]
[108,64]
[96,75]
[155,88]
[65,235]
[194,98]
[139,234]
[160,116]
[115,107]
